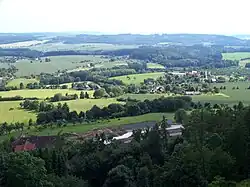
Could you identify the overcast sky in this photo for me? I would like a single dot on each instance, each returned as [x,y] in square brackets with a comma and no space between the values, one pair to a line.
[126,16]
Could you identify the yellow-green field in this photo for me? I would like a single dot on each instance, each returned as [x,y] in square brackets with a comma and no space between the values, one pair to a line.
[86,104]
[15,114]
[16,82]
[40,93]
[88,47]
[155,66]
[57,63]
[138,78]
[236,56]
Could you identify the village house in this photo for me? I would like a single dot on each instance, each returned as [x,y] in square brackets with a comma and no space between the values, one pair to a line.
[192,93]
[34,142]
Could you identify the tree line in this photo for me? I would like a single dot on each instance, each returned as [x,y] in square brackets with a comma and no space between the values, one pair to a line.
[62,112]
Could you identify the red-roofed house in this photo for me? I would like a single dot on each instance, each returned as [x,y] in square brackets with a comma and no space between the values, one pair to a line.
[33,142]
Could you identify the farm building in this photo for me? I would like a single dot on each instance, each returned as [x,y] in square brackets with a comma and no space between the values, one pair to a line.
[192,93]
[173,130]
[33,142]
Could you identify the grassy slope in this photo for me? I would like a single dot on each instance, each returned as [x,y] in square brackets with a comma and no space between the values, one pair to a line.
[236,56]
[89,46]
[40,93]
[86,104]
[138,78]
[57,63]
[16,82]
[7,115]
[155,66]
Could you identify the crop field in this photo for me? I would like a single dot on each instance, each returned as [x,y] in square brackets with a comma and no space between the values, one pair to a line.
[22,44]
[155,66]
[138,78]
[108,64]
[16,82]
[86,104]
[57,63]
[40,93]
[81,128]
[86,46]
[236,56]
[10,112]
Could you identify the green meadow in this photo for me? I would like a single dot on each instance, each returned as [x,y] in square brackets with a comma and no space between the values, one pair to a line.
[138,78]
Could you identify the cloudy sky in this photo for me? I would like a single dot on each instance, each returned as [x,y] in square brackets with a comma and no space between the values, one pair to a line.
[126,16]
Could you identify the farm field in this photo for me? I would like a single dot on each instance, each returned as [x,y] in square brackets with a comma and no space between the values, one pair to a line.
[57,63]
[236,56]
[138,78]
[22,44]
[40,93]
[85,46]
[16,82]
[16,114]
[105,123]
[86,104]
[155,66]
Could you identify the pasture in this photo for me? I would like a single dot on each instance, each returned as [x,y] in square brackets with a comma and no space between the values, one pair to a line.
[86,104]
[40,93]
[85,46]
[236,56]
[23,44]
[10,112]
[138,78]
[16,82]
[155,66]
[57,63]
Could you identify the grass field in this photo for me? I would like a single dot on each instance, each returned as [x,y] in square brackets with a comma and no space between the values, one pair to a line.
[88,47]
[155,66]
[15,115]
[40,93]
[16,82]
[57,63]
[86,104]
[236,56]
[22,44]
[138,78]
